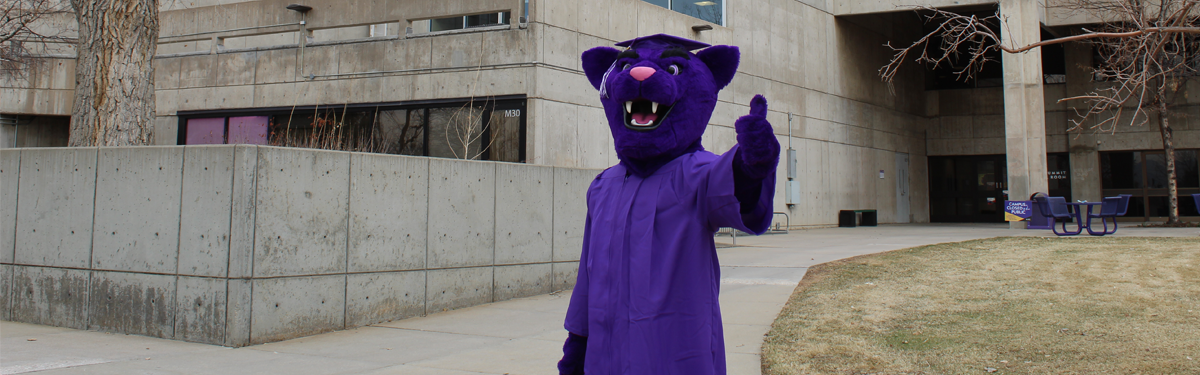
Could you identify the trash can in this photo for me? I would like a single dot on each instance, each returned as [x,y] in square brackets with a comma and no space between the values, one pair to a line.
[1037,220]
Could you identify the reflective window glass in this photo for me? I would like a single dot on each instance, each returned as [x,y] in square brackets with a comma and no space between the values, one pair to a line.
[1156,170]
[1058,170]
[462,22]
[941,207]
[1159,206]
[964,178]
[988,205]
[401,131]
[942,170]
[661,3]
[986,176]
[1120,170]
[248,130]
[968,207]
[1187,205]
[443,24]
[708,10]
[205,131]
[492,19]
[504,130]
[1137,207]
[476,130]
[456,132]
[1187,172]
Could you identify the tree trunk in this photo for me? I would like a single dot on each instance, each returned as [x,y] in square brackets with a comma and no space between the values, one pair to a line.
[114,77]
[1169,148]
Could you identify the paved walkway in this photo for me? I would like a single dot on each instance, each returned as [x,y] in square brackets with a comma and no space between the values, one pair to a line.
[522,336]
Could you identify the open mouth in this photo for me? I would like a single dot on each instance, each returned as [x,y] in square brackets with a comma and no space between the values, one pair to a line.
[645,115]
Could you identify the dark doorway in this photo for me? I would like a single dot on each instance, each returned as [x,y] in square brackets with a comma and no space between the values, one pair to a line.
[967,188]
[973,188]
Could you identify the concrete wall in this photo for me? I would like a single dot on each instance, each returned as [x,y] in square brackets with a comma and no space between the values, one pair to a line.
[847,125]
[971,122]
[46,87]
[237,245]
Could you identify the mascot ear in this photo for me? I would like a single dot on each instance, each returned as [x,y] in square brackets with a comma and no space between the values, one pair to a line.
[596,62]
[722,61]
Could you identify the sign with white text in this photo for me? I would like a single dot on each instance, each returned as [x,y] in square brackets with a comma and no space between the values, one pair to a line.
[1017,210]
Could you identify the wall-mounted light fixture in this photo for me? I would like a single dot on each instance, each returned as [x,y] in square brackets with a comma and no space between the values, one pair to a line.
[300,8]
[699,28]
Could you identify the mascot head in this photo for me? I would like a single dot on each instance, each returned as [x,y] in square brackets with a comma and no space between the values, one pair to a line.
[657,94]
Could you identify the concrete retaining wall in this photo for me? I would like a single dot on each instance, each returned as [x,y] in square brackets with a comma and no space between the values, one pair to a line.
[239,245]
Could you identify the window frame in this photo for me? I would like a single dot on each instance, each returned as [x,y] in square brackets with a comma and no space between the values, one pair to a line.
[1145,193]
[489,105]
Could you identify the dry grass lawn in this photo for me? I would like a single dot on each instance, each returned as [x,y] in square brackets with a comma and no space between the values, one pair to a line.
[1003,305]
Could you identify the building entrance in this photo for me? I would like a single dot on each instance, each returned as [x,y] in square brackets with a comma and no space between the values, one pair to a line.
[973,188]
[967,188]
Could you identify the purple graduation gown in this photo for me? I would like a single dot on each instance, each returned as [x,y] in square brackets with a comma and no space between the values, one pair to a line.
[646,294]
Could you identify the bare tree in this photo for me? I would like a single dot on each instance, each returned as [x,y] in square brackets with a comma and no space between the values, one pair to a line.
[23,31]
[114,91]
[1147,50]
[466,127]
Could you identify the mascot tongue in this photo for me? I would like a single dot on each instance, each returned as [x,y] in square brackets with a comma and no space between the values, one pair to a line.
[644,118]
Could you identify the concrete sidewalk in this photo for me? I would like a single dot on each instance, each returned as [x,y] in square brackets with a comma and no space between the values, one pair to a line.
[522,336]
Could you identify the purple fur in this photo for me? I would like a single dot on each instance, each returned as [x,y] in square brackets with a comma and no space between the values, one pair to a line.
[759,153]
[573,354]
[693,94]
[722,61]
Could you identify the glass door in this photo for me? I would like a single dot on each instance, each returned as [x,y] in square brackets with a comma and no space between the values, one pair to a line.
[967,188]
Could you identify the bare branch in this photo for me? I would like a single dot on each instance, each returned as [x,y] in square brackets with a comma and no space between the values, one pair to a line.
[23,30]
[1146,53]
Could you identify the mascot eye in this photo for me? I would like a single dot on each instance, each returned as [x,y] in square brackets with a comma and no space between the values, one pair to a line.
[626,67]
[673,69]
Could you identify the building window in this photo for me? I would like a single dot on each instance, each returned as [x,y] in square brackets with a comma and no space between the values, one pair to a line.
[34,131]
[466,22]
[477,130]
[1143,174]
[708,10]
[226,130]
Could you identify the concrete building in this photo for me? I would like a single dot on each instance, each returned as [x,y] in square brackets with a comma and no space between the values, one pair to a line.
[501,80]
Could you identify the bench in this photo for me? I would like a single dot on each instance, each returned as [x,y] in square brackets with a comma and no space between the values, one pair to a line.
[1111,209]
[1056,208]
[850,218]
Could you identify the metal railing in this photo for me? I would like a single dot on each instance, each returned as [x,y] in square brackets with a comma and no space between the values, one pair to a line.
[775,229]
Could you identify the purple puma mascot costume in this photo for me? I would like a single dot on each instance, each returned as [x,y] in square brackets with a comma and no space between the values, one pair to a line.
[646,298]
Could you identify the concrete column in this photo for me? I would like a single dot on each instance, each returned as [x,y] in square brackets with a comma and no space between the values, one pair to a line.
[1024,108]
[1085,160]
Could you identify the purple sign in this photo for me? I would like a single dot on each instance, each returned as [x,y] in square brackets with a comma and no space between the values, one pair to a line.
[248,130]
[1017,210]
[205,131]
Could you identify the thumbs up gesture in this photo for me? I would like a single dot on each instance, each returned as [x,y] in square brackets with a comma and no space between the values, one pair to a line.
[758,150]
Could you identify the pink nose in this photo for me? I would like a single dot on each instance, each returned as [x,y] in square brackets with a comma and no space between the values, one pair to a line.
[641,73]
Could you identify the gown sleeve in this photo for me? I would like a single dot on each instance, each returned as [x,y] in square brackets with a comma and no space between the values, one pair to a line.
[577,311]
[724,209]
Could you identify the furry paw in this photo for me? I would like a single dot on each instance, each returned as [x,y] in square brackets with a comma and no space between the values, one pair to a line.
[758,148]
[574,351]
